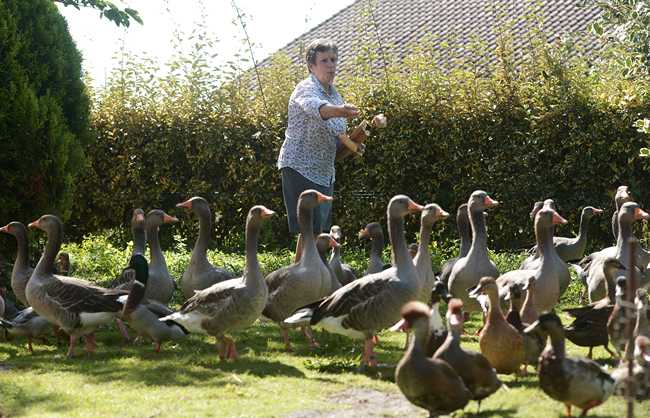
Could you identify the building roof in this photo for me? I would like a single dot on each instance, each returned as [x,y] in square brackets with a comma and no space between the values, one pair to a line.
[400,25]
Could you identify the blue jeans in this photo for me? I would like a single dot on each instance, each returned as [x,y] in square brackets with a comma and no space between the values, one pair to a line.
[294,183]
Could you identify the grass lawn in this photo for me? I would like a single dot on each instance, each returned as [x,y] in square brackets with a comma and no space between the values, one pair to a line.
[187,378]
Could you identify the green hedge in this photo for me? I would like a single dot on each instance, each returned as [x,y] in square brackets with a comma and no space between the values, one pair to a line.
[556,125]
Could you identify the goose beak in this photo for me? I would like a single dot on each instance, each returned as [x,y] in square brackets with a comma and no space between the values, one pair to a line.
[597,211]
[640,214]
[266,212]
[169,219]
[323,198]
[5,229]
[443,214]
[557,219]
[333,243]
[139,217]
[187,204]
[489,202]
[363,234]
[414,207]
[34,224]
[402,325]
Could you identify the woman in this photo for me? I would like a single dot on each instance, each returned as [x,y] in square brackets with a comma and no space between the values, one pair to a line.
[317,121]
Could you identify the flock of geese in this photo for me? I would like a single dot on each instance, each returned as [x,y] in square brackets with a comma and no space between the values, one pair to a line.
[436,372]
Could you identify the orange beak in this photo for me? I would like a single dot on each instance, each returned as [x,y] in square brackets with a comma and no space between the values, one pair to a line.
[187,204]
[5,229]
[169,219]
[489,202]
[34,224]
[266,212]
[557,219]
[414,207]
[640,214]
[323,198]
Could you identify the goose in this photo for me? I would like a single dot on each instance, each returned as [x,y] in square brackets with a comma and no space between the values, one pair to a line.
[375,234]
[569,249]
[232,304]
[473,368]
[430,383]
[74,305]
[303,282]
[500,342]
[528,312]
[324,243]
[628,213]
[431,213]
[465,234]
[343,272]
[200,273]
[622,196]
[161,285]
[573,381]
[143,316]
[468,270]
[642,326]
[533,344]
[551,274]
[371,303]
[21,271]
[29,324]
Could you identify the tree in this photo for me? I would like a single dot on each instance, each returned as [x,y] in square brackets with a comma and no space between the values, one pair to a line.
[106,9]
[626,24]
[44,111]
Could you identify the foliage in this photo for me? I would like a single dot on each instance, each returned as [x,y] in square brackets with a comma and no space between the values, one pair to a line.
[523,133]
[626,24]
[44,111]
[106,9]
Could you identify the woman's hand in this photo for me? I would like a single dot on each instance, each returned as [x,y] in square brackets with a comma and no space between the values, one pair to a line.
[349,111]
[346,110]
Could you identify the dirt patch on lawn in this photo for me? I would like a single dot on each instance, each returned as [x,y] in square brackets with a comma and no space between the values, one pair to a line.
[364,402]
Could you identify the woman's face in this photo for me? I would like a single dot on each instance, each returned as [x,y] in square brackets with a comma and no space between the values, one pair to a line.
[325,67]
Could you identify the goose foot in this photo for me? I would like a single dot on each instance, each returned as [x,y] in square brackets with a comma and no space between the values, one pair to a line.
[590,405]
[310,336]
[73,342]
[285,337]
[589,354]
[157,349]
[369,358]
[29,345]
[123,331]
[231,350]
[91,343]
[568,409]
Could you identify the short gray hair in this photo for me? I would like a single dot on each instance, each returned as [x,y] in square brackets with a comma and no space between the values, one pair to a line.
[319,45]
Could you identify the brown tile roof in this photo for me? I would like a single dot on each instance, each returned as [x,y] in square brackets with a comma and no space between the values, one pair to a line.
[402,24]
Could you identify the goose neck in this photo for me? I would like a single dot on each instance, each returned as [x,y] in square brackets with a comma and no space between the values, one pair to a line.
[479,233]
[400,254]
[22,251]
[202,241]
[46,263]
[252,272]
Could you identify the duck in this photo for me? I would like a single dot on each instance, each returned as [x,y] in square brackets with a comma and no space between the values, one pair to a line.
[324,243]
[589,328]
[552,274]
[361,309]
[533,344]
[303,282]
[74,305]
[437,328]
[124,281]
[29,324]
[200,273]
[428,382]
[343,272]
[528,312]
[373,232]
[573,381]
[500,342]
[640,370]
[473,368]
[144,316]
[431,213]
[628,214]
[465,234]
[161,285]
[232,304]
[467,271]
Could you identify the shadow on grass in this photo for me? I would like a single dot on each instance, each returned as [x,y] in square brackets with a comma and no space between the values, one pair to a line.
[16,400]
[496,412]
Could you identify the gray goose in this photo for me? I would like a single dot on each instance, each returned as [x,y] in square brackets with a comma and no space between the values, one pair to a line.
[595,278]
[76,306]
[431,213]
[21,271]
[430,383]
[375,234]
[468,270]
[343,272]
[472,367]
[200,273]
[465,234]
[622,196]
[25,322]
[572,249]
[551,273]
[161,285]
[324,243]
[144,316]
[366,306]
[233,304]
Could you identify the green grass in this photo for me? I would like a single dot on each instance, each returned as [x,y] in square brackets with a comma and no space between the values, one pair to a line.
[187,378]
